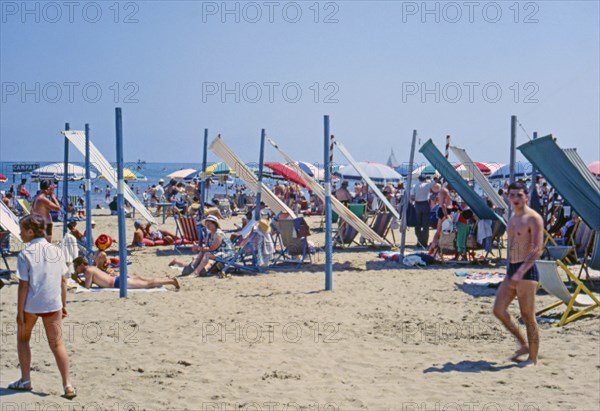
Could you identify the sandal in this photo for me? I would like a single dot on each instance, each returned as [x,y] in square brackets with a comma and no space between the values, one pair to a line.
[20,385]
[70,392]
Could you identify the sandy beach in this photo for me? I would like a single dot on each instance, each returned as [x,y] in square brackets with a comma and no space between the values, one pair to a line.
[386,338]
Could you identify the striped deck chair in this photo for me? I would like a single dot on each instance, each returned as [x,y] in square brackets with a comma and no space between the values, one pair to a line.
[186,230]
[581,302]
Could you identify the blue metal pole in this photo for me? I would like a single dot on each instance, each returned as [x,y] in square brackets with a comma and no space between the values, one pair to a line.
[66,183]
[328,238]
[121,207]
[203,186]
[88,191]
[261,163]
[203,181]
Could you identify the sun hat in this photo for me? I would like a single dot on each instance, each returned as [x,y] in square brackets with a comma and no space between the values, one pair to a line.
[213,219]
[103,242]
[161,181]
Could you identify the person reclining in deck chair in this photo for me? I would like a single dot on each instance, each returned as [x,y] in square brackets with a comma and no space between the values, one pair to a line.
[154,235]
[93,275]
[217,245]
[567,230]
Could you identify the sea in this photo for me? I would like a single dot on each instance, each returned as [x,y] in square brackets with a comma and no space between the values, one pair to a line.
[152,171]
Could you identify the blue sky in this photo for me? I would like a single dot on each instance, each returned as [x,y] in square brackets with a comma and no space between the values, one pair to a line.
[171,61]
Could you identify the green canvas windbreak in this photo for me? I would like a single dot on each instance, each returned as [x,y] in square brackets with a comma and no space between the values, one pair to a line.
[469,196]
[566,178]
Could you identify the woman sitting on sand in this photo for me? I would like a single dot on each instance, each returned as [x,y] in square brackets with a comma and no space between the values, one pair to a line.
[93,275]
[217,245]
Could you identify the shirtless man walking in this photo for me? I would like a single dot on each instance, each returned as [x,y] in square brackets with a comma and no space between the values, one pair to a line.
[525,239]
[45,202]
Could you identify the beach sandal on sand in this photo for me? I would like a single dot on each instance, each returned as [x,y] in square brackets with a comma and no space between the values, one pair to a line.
[70,392]
[20,385]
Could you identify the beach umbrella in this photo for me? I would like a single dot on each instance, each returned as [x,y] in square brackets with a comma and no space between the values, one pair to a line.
[493,167]
[3,178]
[466,170]
[128,175]
[379,173]
[594,168]
[183,174]
[503,173]
[55,171]
[312,170]
[286,172]
[139,176]
[426,170]
[219,169]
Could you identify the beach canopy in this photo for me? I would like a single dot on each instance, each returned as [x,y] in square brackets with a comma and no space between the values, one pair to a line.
[128,175]
[469,196]
[503,173]
[100,163]
[594,168]
[490,192]
[569,179]
[183,174]
[219,169]
[221,149]
[286,172]
[3,178]
[55,171]
[379,173]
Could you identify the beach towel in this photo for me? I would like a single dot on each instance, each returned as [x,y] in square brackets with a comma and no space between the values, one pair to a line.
[81,289]
[484,279]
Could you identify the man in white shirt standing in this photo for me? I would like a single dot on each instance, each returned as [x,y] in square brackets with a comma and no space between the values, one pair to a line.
[422,209]
[42,292]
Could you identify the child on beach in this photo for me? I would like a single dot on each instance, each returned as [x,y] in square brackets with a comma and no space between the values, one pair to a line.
[42,292]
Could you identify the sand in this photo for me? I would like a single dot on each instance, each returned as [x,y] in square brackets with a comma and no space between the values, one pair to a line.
[386,338]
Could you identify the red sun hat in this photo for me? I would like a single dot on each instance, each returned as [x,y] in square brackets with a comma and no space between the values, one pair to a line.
[103,242]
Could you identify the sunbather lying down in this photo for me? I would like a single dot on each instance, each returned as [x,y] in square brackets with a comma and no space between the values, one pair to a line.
[93,275]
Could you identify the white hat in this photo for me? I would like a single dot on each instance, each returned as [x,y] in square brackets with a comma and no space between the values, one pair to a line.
[213,219]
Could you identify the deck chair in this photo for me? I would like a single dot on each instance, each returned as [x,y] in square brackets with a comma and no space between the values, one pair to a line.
[4,250]
[346,234]
[246,258]
[567,252]
[591,258]
[578,303]
[292,241]
[382,224]
[25,206]
[186,230]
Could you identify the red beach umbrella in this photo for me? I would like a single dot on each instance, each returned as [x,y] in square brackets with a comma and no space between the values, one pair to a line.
[286,172]
[594,168]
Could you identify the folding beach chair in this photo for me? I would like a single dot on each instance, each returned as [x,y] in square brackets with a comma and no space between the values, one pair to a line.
[567,252]
[578,303]
[246,258]
[187,230]
[291,237]
[25,206]
[382,224]
[346,234]
[591,258]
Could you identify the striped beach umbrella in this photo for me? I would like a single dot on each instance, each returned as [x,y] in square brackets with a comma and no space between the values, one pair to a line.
[3,178]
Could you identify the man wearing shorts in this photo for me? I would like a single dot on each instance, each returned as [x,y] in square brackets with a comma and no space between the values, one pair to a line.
[525,242]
